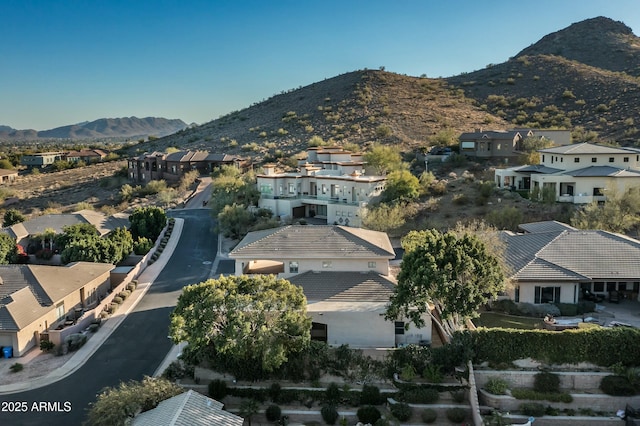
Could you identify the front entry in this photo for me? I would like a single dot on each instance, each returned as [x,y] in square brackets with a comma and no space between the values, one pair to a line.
[319,332]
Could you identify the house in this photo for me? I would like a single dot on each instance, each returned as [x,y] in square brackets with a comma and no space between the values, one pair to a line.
[552,262]
[505,144]
[171,167]
[330,184]
[41,159]
[24,231]
[344,273]
[188,408]
[579,173]
[8,176]
[87,156]
[34,298]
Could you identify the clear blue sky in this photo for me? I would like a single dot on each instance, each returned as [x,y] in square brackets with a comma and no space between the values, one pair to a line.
[63,61]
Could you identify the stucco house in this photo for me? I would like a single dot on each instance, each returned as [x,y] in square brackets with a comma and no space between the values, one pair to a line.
[578,173]
[554,262]
[331,184]
[41,159]
[344,273]
[34,298]
[505,144]
[8,176]
[86,155]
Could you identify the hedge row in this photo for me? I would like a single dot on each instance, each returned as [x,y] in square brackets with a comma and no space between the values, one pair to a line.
[600,346]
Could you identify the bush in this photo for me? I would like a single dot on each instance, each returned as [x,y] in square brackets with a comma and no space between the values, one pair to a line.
[429,415]
[16,367]
[531,394]
[420,396]
[273,413]
[401,411]
[131,287]
[46,345]
[368,414]
[333,393]
[567,309]
[118,300]
[93,327]
[456,414]
[617,386]
[124,294]
[218,389]
[75,341]
[370,395]
[533,409]
[546,382]
[458,396]
[433,374]
[275,391]
[329,414]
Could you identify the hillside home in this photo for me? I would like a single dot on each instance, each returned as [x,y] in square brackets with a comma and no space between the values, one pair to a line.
[578,173]
[8,177]
[87,156]
[41,159]
[34,298]
[553,262]
[505,144]
[331,184]
[171,167]
[344,273]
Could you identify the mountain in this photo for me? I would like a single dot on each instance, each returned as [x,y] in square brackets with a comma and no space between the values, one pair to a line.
[583,78]
[127,127]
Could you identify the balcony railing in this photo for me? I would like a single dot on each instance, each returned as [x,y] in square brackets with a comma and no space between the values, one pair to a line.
[310,198]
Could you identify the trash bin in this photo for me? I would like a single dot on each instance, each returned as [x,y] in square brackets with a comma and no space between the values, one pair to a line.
[7,351]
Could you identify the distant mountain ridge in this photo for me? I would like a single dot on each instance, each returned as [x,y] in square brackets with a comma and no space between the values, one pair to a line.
[126,127]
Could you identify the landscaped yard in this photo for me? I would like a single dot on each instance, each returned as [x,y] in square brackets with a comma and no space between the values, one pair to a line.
[493,319]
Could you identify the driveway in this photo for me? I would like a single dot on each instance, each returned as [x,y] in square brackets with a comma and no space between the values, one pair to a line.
[137,347]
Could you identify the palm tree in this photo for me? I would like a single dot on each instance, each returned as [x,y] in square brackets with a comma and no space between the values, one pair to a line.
[248,407]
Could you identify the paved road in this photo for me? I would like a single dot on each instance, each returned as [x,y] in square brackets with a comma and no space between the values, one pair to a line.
[138,346]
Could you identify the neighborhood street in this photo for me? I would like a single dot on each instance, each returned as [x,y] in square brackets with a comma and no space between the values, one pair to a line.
[136,348]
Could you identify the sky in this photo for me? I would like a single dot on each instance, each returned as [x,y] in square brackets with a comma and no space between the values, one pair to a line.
[67,61]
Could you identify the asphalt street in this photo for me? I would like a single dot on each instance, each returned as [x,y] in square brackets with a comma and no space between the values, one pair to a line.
[136,348]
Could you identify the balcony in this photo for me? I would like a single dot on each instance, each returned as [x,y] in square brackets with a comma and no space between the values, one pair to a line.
[312,199]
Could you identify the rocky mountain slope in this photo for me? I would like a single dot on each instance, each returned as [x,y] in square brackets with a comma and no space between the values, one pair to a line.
[126,127]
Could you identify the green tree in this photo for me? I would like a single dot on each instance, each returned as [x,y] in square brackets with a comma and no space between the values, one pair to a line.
[455,274]
[387,217]
[6,164]
[147,222]
[620,212]
[8,249]
[117,405]
[11,217]
[75,232]
[249,321]
[248,409]
[384,159]
[401,186]
[235,221]
[229,186]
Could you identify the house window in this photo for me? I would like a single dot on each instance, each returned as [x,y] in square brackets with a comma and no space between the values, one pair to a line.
[543,158]
[562,159]
[324,189]
[399,326]
[598,191]
[625,159]
[516,296]
[598,287]
[611,285]
[173,169]
[594,159]
[636,286]
[372,265]
[293,267]
[498,147]
[611,159]
[265,189]
[576,160]
[292,188]
[326,264]
[488,146]
[547,294]
[622,286]
[60,311]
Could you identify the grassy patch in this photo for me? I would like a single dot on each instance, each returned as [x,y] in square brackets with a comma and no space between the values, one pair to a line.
[495,320]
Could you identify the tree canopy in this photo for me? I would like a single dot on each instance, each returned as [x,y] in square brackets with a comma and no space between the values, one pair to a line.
[245,322]
[8,249]
[401,186]
[11,217]
[383,159]
[81,244]
[229,186]
[620,213]
[456,274]
[147,222]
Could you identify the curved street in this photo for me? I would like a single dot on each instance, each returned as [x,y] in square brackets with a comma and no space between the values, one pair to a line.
[137,347]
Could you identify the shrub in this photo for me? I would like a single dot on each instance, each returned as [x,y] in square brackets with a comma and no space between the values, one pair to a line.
[401,411]
[329,414]
[617,386]
[546,382]
[124,294]
[370,395]
[496,386]
[93,327]
[368,414]
[458,396]
[433,374]
[456,414]
[421,396]
[429,415]
[273,413]
[567,309]
[218,389]
[16,367]
[333,393]
[46,345]
[131,287]
[118,300]
[75,341]
[521,393]
[533,409]
[275,391]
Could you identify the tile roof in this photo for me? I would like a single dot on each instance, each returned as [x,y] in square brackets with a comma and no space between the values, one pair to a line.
[314,242]
[594,171]
[187,409]
[584,148]
[491,135]
[545,226]
[344,286]
[587,254]
[537,168]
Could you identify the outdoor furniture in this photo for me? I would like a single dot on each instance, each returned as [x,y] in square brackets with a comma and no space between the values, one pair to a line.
[591,297]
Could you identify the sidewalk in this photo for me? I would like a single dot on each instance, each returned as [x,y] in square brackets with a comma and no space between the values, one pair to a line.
[145,280]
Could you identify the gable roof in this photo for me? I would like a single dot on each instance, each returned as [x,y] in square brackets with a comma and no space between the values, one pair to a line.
[584,148]
[491,134]
[314,242]
[331,286]
[573,254]
[188,409]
